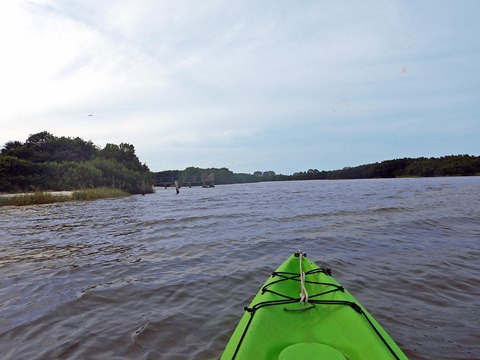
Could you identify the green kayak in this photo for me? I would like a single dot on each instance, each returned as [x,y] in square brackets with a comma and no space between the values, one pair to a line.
[302,312]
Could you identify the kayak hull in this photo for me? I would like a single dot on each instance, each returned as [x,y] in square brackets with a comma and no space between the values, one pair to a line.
[331,325]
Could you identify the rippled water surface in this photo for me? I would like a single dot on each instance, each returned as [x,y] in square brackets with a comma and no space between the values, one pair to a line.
[166,276]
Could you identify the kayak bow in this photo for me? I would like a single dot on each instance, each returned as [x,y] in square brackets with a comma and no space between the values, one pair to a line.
[302,312]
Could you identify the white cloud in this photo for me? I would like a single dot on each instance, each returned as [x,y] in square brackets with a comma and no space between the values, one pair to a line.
[55,63]
[165,74]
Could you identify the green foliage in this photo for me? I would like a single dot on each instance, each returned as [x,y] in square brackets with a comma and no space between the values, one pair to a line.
[453,165]
[70,175]
[48,162]
[123,154]
[221,176]
[18,174]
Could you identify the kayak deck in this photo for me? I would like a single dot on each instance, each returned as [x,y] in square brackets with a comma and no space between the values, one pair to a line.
[332,324]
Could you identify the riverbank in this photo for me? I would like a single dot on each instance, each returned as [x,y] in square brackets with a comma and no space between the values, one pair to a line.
[49,197]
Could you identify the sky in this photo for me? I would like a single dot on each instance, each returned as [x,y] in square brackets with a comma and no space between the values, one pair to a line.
[252,86]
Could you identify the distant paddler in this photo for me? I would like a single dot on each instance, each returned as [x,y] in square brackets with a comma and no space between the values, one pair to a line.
[177,188]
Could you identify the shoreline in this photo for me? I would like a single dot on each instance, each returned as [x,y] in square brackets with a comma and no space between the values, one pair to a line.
[53,193]
[51,197]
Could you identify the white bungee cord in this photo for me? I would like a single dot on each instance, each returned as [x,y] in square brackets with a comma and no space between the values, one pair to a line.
[303,290]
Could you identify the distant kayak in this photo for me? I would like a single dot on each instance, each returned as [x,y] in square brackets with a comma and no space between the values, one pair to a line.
[302,312]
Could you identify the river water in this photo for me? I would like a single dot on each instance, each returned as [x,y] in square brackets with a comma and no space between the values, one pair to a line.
[166,276]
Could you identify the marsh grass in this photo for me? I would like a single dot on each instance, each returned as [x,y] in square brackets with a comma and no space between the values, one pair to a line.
[42,197]
[36,198]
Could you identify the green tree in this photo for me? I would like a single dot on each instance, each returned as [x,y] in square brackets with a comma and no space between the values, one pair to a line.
[45,161]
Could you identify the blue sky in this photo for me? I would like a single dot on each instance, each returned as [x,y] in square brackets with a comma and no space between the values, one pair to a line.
[249,85]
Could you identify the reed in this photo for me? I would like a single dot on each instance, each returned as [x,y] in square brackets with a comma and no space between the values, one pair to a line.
[42,197]
[36,198]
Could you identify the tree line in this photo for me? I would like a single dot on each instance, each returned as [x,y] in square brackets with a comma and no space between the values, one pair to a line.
[221,175]
[48,162]
[453,165]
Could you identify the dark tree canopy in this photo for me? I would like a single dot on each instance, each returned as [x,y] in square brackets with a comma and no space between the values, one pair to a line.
[453,165]
[47,162]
